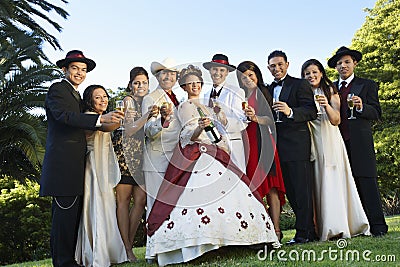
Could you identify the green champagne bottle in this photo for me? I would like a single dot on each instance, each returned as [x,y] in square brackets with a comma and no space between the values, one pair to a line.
[210,130]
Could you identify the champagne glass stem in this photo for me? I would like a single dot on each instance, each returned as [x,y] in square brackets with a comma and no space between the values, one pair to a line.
[277,117]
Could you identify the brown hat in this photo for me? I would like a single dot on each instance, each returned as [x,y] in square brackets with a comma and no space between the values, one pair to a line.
[342,51]
[219,60]
[76,56]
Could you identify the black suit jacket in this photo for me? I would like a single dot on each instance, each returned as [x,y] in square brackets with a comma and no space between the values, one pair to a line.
[64,160]
[293,135]
[362,152]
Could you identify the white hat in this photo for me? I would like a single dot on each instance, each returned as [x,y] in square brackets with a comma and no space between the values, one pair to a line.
[166,64]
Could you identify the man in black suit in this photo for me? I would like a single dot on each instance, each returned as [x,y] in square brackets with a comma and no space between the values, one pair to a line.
[294,100]
[64,161]
[357,133]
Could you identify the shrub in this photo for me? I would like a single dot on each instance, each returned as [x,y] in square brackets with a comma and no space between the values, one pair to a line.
[25,222]
[287,219]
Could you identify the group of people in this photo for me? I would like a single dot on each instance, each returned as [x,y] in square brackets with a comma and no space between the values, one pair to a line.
[213,170]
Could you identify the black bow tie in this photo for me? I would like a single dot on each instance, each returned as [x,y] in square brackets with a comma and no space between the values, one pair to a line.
[275,83]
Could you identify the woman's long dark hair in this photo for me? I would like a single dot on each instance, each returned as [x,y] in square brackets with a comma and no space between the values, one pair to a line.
[88,97]
[326,84]
[249,65]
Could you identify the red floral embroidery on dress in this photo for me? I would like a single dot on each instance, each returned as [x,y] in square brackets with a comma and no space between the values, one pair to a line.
[268,226]
[244,224]
[239,215]
[200,211]
[221,210]
[205,220]
[184,211]
[170,225]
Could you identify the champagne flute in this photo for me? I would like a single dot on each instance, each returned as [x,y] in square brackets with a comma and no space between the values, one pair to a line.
[318,93]
[119,105]
[155,115]
[245,105]
[167,106]
[276,99]
[215,105]
[350,104]
[130,112]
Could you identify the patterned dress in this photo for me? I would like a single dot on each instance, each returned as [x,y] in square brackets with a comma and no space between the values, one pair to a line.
[129,150]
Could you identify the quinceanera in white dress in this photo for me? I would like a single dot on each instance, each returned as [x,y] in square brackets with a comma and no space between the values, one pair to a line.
[338,207]
[99,241]
[204,202]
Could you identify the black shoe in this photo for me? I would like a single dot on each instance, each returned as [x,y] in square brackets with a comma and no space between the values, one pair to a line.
[72,264]
[379,234]
[297,241]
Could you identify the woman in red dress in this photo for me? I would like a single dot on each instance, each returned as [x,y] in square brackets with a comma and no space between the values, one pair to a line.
[263,167]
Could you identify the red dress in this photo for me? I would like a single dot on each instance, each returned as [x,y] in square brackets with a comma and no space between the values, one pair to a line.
[255,169]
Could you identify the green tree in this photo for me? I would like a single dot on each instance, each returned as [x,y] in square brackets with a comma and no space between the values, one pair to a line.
[23,79]
[379,41]
[24,74]
[22,14]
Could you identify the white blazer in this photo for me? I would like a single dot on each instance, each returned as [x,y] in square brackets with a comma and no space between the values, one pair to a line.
[159,142]
[230,99]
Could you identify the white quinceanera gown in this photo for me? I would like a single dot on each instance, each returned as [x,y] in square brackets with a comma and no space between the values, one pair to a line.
[215,209]
[99,240]
[339,211]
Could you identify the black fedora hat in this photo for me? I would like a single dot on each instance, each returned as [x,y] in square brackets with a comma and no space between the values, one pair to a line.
[342,51]
[219,60]
[76,56]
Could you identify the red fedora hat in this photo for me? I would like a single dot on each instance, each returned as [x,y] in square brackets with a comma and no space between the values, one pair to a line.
[219,60]
[76,56]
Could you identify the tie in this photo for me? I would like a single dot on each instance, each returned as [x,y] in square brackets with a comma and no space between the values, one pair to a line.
[344,126]
[342,85]
[213,95]
[275,83]
[173,98]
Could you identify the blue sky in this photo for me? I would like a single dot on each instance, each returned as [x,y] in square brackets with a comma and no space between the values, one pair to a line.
[121,34]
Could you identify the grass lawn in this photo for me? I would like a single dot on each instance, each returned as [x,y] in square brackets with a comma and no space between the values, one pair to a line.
[358,251]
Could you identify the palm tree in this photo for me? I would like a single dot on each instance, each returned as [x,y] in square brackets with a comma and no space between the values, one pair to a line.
[21,14]
[23,79]
[24,72]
